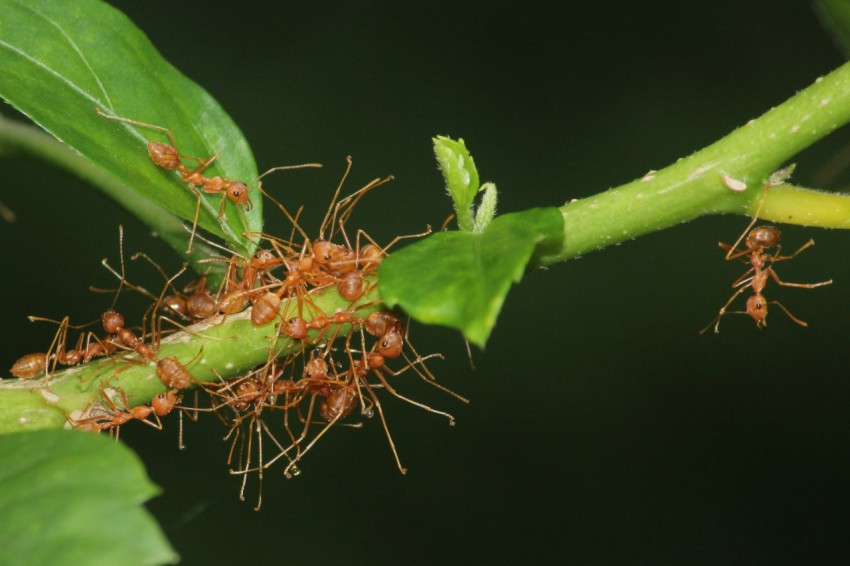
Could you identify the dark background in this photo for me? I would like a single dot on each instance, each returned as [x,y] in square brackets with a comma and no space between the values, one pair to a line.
[602,428]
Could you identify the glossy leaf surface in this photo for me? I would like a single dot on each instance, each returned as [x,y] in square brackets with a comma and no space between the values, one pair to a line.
[61,60]
[461,279]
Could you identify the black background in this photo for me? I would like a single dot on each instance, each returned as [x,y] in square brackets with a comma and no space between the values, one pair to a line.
[602,428]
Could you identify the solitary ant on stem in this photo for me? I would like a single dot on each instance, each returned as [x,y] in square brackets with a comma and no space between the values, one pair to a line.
[756,243]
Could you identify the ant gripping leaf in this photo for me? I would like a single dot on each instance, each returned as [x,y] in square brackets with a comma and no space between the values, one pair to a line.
[124,168]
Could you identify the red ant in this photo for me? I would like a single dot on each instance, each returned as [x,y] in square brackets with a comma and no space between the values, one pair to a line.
[33,365]
[757,241]
[169,158]
[161,405]
[173,374]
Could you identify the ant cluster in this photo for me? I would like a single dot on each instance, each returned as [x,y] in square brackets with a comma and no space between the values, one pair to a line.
[335,363]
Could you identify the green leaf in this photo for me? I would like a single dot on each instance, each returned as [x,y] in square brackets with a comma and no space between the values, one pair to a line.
[68,497]
[460,279]
[487,209]
[60,60]
[835,17]
[24,138]
[461,177]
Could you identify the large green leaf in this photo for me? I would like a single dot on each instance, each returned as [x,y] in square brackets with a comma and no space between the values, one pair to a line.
[60,60]
[460,279]
[68,497]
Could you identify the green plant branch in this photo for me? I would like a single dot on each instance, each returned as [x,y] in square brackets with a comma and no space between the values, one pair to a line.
[706,182]
[224,347]
[731,175]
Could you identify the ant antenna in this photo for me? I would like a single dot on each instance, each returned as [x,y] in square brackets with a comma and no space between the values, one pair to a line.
[123,273]
[290,167]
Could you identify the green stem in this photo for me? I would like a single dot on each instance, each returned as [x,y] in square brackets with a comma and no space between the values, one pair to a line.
[706,182]
[808,207]
[18,137]
[221,348]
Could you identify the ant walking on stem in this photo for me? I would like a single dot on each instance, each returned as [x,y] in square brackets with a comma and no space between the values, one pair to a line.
[756,243]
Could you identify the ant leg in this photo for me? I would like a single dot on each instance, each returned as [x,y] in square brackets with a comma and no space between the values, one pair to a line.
[195,220]
[377,403]
[776,278]
[288,167]
[204,163]
[425,374]
[745,279]
[791,316]
[734,252]
[291,469]
[777,257]
[292,464]
[329,221]
[166,131]
[345,207]
[379,374]
[716,321]
[140,124]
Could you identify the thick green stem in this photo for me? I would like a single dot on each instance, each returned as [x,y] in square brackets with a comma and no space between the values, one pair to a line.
[221,348]
[727,176]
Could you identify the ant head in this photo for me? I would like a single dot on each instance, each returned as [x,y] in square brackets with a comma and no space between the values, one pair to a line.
[296,328]
[163,403]
[392,342]
[264,258]
[237,191]
[322,250]
[757,309]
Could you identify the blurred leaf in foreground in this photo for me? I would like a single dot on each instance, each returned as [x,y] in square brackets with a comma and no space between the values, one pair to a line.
[68,497]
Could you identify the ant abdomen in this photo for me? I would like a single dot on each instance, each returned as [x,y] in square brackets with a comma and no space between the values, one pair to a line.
[763,237]
[164,155]
[30,366]
[339,404]
[265,309]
